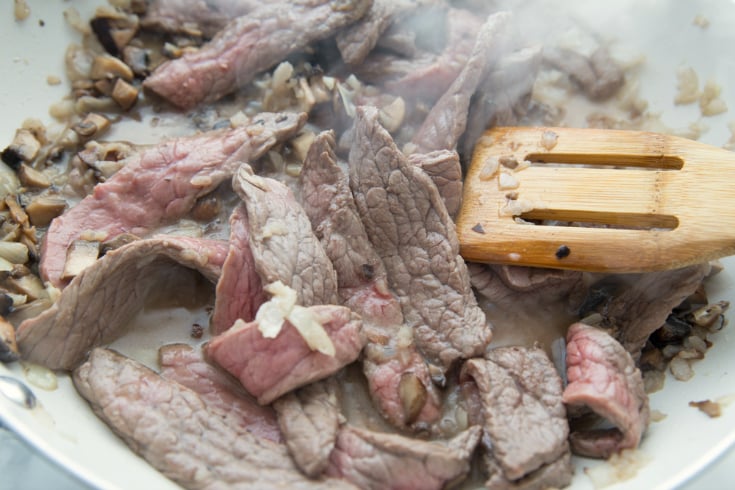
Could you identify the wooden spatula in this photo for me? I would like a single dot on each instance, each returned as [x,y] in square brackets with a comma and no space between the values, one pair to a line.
[596,200]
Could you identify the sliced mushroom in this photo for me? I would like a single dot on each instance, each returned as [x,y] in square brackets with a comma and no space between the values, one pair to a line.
[124,94]
[23,148]
[91,126]
[45,208]
[14,252]
[106,66]
[81,254]
[30,177]
[8,346]
[27,284]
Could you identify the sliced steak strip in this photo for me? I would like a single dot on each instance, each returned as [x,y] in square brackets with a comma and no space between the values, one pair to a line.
[557,474]
[98,303]
[268,368]
[198,16]
[445,170]
[503,96]
[447,119]
[283,244]
[310,418]
[249,45]
[239,291]
[398,377]
[427,75]
[161,184]
[602,376]
[221,393]
[170,426]
[373,460]
[507,285]
[517,391]
[409,226]
[356,41]
[599,76]
[633,306]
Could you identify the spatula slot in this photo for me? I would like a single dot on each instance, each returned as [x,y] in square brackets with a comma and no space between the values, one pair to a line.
[618,161]
[592,219]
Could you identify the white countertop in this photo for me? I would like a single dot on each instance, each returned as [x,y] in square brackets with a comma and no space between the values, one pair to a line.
[22,468]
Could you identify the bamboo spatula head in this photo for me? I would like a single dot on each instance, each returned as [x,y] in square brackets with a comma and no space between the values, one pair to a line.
[596,200]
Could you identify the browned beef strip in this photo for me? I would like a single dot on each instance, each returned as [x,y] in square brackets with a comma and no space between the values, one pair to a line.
[373,460]
[445,170]
[397,376]
[194,16]
[602,376]
[553,475]
[220,392]
[161,184]
[239,291]
[249,45]
[356,41]
[270,367]
[283,244]
[427,75]
[408,224]
[507,285]
[503,96]
[516,391]
[633,306]
[599,76]
[170,426]
[447,120]
[310,417]
[93,309]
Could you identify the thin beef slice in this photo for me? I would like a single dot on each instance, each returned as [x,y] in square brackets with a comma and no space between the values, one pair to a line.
[170,426]
[218,390]
[160,184]
[602,376]
[95,307]
[398,378]
[373,460]
[270,367]
[310,417]
[514,391]
[408,224]
[249,45]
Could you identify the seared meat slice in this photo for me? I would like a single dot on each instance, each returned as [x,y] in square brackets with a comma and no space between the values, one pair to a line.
[239,291]
[503,96]
[170,426]
[93,309]
[221,393]
[270,367]
[373,460]
[633,306]
[516,391]
[397,376]
[602,375]
[445,170]
[447,119]
[427,75]
[408,224]
[599,76]
[161,184]
[249,45]
[309,419]
[283,244]
[194,16]
[553,475]
[507,285]
[356,41]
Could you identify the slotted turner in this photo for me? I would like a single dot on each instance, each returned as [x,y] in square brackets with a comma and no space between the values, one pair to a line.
[596,200]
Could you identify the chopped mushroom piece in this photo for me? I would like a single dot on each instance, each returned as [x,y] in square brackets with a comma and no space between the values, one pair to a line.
[8,346]
[24,148]
[30,177]
[124,94]
[81,254]
[45,208]
[92,125]
[106,66]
